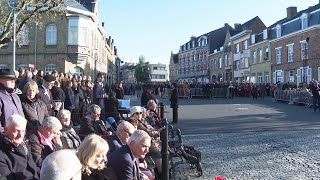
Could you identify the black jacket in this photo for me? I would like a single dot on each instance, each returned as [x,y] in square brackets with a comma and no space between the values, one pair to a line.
[174,98]
[104,174]
[16,162]
[34,111]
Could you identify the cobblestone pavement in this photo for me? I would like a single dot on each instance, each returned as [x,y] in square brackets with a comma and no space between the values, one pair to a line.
[246,139]
[267,155]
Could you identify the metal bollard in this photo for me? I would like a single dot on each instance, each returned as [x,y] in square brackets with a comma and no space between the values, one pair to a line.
[161,110]
[164,150]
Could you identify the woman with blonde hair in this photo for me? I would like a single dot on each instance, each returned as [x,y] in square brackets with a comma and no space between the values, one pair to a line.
[92,153]
[34,108]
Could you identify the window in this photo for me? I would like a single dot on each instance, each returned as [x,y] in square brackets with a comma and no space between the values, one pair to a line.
[237,48]
[23,36]
[304,74]
[51,34]
[278,29]
[290,52]
[193,44]
[226,60]
[253,39]
[220,62]
[84,36]
[245,44]
[158,76]
[242,63]
[290,76]
[266,77]
[304,21]
[49,68]
[278,55]
[265,34]
[260,80]
[278,76]
[304,50]
[254,57]
[260,56]
[266,55]
[237,65]
[73,31]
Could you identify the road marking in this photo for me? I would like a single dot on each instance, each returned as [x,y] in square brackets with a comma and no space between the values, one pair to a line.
[236,104]
[242,108]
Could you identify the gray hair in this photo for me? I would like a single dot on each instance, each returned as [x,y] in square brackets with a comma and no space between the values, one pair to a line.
[14,120]
[94,109]
[52,123]
[60,165]
[63,114]
[138,136]
[126,125]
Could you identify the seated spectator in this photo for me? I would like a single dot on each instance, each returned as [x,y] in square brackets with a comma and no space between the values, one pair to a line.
[69,137]
[92,153]
[111,107]
[45,139]
[33,106]
[92,123]
[132,121]
[14,152]
[153,117]
[123,133]
[61,165]
[124,160]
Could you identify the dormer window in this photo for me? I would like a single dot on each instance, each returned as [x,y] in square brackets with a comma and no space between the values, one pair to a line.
[278,28]
[193,44]
[265,34]
[304,21]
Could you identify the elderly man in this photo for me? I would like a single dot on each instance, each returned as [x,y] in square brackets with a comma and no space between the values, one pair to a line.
[9,101]
[124,160]
[15,158]
[45,139]
[61,165]
[45,91]
[92,123]
[123,133]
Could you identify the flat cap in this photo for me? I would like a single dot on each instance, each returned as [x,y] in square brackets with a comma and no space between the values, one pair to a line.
[49,78]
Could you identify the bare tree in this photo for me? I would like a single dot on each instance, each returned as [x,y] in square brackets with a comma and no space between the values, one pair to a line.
[26,10]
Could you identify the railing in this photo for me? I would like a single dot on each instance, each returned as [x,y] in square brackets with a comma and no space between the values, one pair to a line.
[299,97]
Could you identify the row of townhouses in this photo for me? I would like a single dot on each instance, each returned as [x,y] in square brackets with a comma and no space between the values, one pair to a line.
[74,43]
[286,51]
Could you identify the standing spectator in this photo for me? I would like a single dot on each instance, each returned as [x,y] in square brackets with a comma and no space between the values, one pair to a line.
[26,78]
[174,103]
[124,160]
[39,77]
[92,153]
[21,75]
[15,158]
[45,139]
[146,96]
[33,107]
[9,101]
[58,96]
[69,137]
[61,165]
[315,89]
[254,92]
[99,94]
[119,91]
[268,89]
[112,105]
[45,93]
[78,99]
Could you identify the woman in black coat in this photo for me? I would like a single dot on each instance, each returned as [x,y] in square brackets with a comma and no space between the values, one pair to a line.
[35,110]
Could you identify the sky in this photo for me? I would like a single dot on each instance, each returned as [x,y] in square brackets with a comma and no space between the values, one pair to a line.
[154,28]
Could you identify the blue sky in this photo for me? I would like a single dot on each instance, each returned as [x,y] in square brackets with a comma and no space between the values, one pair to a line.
[154,28]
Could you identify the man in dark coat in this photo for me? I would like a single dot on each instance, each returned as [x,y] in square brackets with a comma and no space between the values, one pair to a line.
[99,94]
[45,93]
[9,101]
[174,103]
[146,96]
[124,160]
[15,158]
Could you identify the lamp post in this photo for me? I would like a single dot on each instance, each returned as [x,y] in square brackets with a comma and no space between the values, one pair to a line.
[35,42]
[304,63]
[13,5]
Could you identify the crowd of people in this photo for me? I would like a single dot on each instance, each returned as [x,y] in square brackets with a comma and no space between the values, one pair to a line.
[38,138]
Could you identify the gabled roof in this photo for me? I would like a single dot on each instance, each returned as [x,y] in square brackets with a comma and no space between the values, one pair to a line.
[87,4]
[217,37]
[75,4]
[308,10]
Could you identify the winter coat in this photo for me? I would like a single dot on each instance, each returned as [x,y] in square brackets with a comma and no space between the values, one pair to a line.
[145,97]
[69,101]
[90,126]
[16,162]
[39,149]
[105,174]
[46,97]
[174,98]
[69,137]
[34,111]
[98,93]
[9,104]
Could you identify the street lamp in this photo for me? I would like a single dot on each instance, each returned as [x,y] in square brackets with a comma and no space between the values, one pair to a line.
[13,5]
[304,63]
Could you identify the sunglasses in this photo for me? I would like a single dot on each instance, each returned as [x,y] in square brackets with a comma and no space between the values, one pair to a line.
[127,132]
[138,113]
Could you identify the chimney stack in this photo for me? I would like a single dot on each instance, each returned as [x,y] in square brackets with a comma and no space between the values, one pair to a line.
[291,11]
[237,26]
[102,24]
